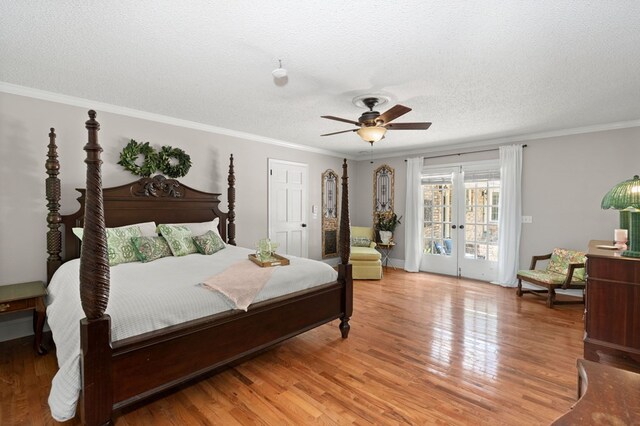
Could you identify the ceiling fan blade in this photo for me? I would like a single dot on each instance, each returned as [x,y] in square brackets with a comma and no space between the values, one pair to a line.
[344,120]
[343,131]
[393,113]
[408,126]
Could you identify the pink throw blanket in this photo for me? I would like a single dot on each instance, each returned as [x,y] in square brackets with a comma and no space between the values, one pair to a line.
[240,282]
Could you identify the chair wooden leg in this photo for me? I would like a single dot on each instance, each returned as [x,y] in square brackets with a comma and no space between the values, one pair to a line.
[519,290]
[551,298]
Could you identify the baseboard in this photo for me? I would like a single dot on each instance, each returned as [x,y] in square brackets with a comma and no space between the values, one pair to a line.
[396,263]
[16,325]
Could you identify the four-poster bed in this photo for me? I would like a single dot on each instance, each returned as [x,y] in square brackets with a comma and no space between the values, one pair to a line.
[116,373]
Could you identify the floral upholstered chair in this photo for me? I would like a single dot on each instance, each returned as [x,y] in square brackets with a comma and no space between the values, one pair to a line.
[564,271]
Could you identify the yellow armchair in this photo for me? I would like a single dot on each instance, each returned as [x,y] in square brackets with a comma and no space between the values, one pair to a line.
[364,256]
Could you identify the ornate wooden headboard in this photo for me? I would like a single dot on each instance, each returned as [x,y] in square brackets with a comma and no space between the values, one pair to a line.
[156,199]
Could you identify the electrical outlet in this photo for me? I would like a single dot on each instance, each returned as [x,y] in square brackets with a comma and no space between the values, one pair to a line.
[527,219]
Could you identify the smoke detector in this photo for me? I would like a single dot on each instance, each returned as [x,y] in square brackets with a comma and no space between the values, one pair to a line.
[279,72]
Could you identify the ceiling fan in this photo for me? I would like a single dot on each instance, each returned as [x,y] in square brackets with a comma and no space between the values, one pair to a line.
[372,125]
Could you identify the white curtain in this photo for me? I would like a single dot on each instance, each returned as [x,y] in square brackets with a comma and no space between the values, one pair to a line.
[414,213]
[509,214]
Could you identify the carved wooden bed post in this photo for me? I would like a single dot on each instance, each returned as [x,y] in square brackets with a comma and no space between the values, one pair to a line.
[344,246]
[231,198]
[54,236]
[95,330]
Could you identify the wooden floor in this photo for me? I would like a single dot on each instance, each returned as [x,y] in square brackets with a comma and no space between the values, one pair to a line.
[423,349]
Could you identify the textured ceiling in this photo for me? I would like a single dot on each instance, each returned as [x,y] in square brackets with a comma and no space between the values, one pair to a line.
[477,70]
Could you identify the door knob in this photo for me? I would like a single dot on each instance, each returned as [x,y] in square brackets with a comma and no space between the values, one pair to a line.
[461,226]
[453,227]
[304,225]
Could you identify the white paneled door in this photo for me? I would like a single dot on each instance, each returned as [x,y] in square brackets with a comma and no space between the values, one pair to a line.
[288,199]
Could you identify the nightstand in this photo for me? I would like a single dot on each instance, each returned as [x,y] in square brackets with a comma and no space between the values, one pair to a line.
[26,297]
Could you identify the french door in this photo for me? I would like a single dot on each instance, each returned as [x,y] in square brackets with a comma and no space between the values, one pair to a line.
[460,232]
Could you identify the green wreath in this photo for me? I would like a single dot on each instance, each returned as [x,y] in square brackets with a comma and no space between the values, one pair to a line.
[178,170]
[130,154]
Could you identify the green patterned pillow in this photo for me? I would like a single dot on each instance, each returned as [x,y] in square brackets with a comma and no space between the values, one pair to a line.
[180,239]
[119,246]
[150,248]
[360,242]
[148,229]
[208,243]
[560,259]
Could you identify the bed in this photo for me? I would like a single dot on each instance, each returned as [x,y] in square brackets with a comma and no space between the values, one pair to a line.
[120,362]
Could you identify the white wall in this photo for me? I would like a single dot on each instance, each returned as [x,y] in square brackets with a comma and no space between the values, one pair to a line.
[24,126]
[362,211]
[564,180]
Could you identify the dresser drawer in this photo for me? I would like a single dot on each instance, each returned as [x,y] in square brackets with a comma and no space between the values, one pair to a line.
[618,269]
[17,305]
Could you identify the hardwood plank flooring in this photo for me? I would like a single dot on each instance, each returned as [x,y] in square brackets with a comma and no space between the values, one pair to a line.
[423,349]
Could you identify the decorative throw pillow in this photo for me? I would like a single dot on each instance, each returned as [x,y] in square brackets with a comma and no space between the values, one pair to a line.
[119,246]
[78,232]
[560,259]
[200,228]
[208,243]
[360,242]
[148,229]
[150,248]
[180,239]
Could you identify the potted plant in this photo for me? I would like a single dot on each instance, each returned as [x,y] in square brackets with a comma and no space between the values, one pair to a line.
[386,224]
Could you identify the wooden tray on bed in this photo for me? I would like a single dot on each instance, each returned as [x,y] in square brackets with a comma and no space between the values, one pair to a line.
[276,260]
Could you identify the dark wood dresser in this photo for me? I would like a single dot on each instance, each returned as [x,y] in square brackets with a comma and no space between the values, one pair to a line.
[612,316]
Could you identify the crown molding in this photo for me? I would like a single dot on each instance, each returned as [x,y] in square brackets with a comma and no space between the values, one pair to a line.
[495,143]
[30,92]
[440,147]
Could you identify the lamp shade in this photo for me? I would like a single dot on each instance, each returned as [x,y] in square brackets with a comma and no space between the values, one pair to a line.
[624,195]
[372,133]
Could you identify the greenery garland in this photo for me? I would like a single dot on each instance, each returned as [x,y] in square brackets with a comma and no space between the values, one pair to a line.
[130,154]
[174,171]
[153,160]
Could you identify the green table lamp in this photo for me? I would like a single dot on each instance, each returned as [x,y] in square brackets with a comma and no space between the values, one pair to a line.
[625,197]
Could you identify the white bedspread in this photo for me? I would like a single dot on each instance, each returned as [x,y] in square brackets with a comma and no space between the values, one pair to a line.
[150,296]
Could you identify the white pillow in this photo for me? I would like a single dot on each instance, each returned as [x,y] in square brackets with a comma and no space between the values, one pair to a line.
[147,229]
[201,228]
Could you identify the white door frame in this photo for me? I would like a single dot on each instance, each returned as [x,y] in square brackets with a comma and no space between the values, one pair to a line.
[305,201]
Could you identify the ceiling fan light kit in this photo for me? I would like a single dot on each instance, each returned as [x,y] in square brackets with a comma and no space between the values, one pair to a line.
[372,126]
[371,134]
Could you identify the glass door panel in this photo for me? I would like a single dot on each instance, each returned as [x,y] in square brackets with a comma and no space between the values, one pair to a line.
[439,253]
[482,191]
